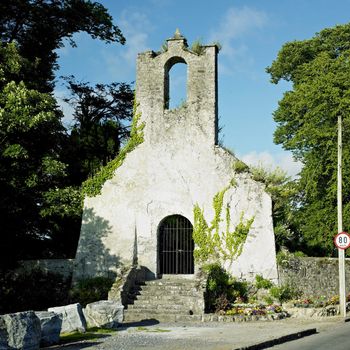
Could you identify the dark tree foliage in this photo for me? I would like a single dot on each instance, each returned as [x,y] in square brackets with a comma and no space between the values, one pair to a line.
[32,290]
[29,134]
[319,69]
[102,115]
[39,27]
[40,202]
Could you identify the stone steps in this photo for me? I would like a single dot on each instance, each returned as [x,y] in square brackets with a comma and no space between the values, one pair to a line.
[186,308]
[159,294]
[132,316]
[167,288]
[174,309]
[167,300]
[171,283]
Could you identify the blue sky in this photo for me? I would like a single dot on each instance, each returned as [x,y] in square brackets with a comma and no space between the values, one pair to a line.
[251,34]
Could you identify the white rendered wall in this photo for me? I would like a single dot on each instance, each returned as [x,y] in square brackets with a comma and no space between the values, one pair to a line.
[177,166]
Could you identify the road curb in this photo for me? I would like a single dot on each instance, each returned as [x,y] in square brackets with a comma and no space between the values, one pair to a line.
[280,340]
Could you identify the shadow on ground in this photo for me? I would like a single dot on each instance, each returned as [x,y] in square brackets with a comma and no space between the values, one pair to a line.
[142,323]
[84,340]
[81,344]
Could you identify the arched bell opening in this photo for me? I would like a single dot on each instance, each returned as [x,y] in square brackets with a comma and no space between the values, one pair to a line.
[175,83]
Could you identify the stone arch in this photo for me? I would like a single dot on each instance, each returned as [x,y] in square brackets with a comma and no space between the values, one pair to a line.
[175,246]
[170,63]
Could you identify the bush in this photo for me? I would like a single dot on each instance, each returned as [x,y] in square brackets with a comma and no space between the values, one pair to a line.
[285,258]
[92,289]
[284,293]
[32,290]
[262,283]
[222,303]
[268,300]
[222,289]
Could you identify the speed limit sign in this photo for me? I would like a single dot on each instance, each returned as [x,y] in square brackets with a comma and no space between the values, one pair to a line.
[342,240]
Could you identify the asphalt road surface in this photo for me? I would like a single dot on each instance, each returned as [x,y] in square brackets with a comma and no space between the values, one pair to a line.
[336,338]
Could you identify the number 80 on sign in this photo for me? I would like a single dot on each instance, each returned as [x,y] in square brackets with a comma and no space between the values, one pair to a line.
[342,240]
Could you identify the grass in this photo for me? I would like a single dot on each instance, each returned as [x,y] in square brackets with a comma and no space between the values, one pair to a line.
[91,334]
[154,330]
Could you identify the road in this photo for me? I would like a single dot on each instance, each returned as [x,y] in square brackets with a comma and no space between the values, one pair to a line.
[336,338]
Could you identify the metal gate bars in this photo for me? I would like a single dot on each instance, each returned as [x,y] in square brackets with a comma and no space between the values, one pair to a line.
[176,246]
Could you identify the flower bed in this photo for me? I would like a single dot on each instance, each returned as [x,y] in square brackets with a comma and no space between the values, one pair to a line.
[317,302]
[248,312]
[254,309]
[312,307]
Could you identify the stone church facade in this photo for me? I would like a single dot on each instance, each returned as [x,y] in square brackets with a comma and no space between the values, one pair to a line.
[144,214]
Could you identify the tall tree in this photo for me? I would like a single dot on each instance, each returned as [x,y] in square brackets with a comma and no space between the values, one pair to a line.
[319,69]
[39,27]
[284,193]
[40,202]
[101,123]
[30,133]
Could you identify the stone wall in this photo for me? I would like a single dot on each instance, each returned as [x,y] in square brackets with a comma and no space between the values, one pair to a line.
[313,276]
[61,266]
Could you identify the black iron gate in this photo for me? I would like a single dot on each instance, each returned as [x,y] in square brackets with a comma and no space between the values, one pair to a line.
[176,246]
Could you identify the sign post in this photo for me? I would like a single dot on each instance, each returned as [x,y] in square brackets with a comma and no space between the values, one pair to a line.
[341,251]
[342,242]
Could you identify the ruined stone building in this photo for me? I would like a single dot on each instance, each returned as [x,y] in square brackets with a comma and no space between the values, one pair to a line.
[145,213]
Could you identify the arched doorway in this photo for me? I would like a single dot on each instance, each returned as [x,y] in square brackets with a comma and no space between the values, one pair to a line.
[175,246]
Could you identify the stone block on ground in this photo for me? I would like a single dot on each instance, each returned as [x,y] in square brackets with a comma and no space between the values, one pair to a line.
[20,330]
[3,335]
[104,313]
[51,324]
[73,317]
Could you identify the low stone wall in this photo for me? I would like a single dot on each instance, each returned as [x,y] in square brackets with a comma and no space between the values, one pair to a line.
[313,276]
[61,266]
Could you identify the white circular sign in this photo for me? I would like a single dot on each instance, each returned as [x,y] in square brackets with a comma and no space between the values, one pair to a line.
[342,240]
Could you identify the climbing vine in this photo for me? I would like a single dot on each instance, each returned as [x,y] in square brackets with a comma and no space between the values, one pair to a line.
[211,245]
[93,185]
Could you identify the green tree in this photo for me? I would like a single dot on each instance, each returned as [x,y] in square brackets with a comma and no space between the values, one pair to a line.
[40,27]
[284,195]
[40,200]
[30,133]
[102,114]
[319,70]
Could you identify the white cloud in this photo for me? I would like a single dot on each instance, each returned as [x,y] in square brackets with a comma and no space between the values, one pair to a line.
[236,23]
[283,160]
[135,26]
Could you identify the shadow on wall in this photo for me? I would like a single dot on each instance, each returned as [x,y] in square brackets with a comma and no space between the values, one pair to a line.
[93,258]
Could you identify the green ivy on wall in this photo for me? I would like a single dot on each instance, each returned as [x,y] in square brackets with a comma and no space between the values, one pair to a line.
[210,244]
[92,186]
